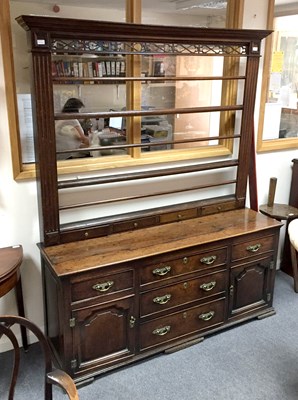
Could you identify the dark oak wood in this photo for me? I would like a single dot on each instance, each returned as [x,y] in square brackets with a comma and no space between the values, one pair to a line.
[11,259]
[44,32]
[120,288]
[271,193]
[74,257]
[90,29]
[252,178]
[209,272]
[279,211]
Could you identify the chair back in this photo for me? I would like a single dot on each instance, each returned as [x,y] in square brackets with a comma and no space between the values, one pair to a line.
[51,377]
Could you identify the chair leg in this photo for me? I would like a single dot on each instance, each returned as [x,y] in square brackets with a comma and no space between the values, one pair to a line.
[294,267]
[20,305]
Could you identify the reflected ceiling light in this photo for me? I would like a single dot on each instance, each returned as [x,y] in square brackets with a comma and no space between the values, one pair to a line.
[215,5]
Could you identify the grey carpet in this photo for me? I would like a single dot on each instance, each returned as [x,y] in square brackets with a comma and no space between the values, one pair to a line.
[257,360]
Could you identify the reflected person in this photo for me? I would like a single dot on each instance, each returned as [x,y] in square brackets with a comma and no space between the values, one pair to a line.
[69,133]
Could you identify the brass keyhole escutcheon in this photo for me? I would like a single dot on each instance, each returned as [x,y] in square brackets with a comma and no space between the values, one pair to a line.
[132,321]
[185,285]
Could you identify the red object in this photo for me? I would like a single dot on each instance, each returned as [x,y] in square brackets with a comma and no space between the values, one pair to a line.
[253,191]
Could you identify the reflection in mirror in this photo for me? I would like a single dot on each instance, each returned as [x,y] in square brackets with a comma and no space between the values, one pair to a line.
[200,13]
[115,11]
[168,82]
[72,134]
[210,14]
[278,109]
[281,114]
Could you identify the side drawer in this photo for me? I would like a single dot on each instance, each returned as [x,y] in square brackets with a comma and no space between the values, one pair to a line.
[253,247]
[161,271]
[172,327]
[101,284]
[183,292]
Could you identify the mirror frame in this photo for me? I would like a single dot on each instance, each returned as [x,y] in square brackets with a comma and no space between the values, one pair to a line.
[270,144]
[23,171]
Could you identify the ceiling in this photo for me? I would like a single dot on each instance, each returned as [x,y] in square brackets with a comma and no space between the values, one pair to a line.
[284,2]
[172,6]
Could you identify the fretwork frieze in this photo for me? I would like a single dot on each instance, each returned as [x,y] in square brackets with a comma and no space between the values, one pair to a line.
[114,47]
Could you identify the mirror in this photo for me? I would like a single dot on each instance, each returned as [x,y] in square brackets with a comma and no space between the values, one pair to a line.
[167,82]
[278,125]
[18,99]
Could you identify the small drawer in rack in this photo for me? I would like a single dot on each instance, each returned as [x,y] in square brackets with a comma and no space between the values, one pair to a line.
[166,329]
[160,271]
[101,285]
[184,292]
[253,247]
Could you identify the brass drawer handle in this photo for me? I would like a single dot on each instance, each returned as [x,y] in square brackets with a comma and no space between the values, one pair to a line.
[208,260]
[103,287]
[208,286]
[162,299]
[207,316]
[254,248]
[161,271]
[162,331]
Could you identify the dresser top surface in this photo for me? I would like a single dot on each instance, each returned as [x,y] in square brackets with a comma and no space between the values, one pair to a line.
[84,255]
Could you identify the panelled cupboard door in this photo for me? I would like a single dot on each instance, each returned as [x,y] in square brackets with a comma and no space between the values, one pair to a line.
[103,335]
[250,286]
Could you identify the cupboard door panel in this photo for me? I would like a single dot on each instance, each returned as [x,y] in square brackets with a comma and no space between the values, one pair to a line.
[104,333]
[250,286]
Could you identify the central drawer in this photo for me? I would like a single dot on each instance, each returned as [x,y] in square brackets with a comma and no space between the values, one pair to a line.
[174,267]
[177,325]
[184,292]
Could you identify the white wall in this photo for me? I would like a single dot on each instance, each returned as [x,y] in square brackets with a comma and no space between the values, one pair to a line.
[18,222]
[18,203]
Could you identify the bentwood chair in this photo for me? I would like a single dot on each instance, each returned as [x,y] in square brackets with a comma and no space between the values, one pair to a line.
[51,376]
[293,237]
